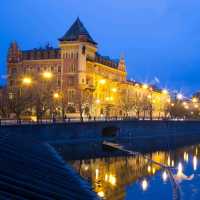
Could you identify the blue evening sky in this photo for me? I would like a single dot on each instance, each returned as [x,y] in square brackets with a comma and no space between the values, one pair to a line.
[160,38]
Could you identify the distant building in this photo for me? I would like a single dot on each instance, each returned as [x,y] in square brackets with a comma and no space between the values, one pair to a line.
[78,68]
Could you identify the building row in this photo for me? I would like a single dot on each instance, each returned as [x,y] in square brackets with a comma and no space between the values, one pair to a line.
[84,79]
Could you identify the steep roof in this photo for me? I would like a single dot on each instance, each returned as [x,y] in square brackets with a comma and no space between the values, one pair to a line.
[75,31]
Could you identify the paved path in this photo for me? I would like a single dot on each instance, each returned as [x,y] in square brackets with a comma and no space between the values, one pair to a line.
[32,170]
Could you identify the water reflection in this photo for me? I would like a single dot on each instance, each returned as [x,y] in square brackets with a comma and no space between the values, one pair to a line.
[110,177]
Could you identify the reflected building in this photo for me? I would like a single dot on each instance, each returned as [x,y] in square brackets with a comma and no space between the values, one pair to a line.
[111,176]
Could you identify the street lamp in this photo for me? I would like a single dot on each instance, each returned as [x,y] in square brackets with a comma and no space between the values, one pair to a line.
[114,89]
[47,75]
[145,86]
[102,81]
[179,96]
[26,81]
[194,100]
[164,91]
[56,95]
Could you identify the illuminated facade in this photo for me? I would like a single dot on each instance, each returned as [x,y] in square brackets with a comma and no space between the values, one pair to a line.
[85,78]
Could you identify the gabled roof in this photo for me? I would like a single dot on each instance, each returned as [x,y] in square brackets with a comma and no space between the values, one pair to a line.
[75,31]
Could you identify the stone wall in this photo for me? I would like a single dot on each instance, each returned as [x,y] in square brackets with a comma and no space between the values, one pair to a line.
[94,130]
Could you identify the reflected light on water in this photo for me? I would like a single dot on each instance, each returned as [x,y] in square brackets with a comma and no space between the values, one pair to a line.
[164,176]
[195,163]
[97,173]
[172,163]
[106,177]
[101,194]
[180,169]
[149,168]
[186,156]
[112,179]
[168,161]
[144,185]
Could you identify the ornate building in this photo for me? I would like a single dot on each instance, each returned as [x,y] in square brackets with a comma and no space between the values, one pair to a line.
[84,78]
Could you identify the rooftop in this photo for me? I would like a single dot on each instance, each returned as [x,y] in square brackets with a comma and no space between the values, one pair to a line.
[76,32]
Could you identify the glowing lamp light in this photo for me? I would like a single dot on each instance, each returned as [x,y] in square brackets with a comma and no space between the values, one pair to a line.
[149,168]
[149,96]
[184,103]
[144,185]
[107,98]
[196,105]
[164,176]
[98,101]
[97,173]
[102,81]
[172,104]
[101,194]
[26,81]
[164,91]
[56,95]
[179,96]
[180,168]
[168,100]
[114,89]
[112,180]
[47,75]
[145,86]
[194,163]
[194,100]
[186,107]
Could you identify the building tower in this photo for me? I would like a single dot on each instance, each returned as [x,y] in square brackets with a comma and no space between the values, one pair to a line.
[76,46]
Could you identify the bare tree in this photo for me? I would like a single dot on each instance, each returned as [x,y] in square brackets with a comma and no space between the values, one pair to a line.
[4,109]
[127,101]
[19,102]
[84,102]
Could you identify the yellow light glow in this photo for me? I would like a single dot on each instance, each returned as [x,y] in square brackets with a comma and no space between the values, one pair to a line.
[172,163]
[101,194]
[112,179]
[33,118]
[168,161]
[172,104]
[186,107]
[164,91]
[56,95]
[186,156]
[144,185]
[111,98]
[106,177]
[27,81]
[114,89]
[184,103]
[98,101]
[145,86]
[149,96]
[168,100]
[196,105]
[153,170]
[47,75]
[97,173]
[149,168]
[194,100]
[102,81]
[107,98]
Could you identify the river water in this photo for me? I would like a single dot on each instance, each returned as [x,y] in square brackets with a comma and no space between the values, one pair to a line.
[134,177]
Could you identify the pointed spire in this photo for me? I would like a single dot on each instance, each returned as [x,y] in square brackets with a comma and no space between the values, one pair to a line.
[122,65]
[77,32]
